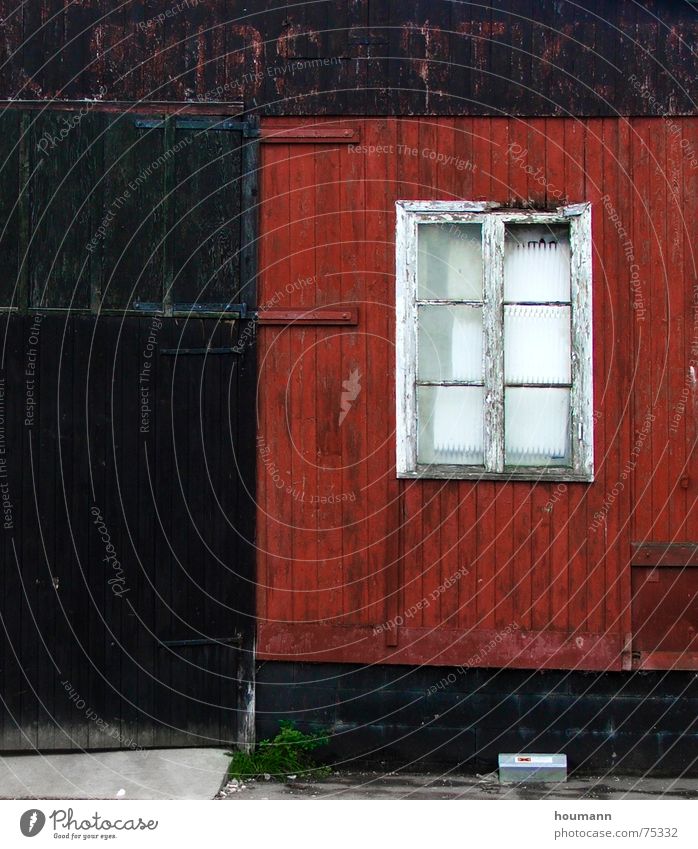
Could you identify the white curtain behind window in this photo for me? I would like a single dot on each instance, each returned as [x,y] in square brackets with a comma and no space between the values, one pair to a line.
[458,425]
[536,270]
[537,347]
[536,344]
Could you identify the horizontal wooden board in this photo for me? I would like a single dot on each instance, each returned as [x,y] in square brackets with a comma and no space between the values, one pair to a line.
[310,135]
[665,554]
[681,660]
[443,647]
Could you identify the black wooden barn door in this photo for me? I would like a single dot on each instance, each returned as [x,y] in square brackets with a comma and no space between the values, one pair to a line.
[126,433]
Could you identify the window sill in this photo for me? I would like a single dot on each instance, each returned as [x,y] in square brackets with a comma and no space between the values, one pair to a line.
[547,473]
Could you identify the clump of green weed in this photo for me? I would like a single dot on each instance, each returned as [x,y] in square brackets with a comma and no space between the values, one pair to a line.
[289,753]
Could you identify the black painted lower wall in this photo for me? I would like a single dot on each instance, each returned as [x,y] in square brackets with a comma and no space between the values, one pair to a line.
[628,722]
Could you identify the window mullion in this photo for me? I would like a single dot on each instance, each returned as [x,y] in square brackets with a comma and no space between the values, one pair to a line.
[493,317]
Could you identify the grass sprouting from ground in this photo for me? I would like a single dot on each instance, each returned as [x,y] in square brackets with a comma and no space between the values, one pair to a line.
[289,753]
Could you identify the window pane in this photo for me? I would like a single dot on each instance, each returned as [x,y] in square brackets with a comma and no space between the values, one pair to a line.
[450,343]
[537,344]
[537,262]
[536,425]
[450,424]
[450,262]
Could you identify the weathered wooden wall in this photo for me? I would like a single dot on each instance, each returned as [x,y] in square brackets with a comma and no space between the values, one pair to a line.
[360,56]
[344,548]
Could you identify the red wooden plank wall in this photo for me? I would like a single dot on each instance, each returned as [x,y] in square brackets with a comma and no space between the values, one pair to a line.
[539,574]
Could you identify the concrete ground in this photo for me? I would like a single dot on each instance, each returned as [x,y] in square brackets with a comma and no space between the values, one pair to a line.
[377,785]
[150,774]
[198,774]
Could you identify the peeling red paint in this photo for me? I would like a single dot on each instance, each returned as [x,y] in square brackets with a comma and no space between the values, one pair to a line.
[480,32]
[430,42]
[251,59]
[481,29]
[285,46]
[201,61]
[551,50]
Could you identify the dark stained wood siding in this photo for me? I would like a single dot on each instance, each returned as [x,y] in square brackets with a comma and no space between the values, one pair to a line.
[101,211]
[552,57]
[130,416]
[66,206]
[206,215]
[343,546]
[83,665]
[131,251]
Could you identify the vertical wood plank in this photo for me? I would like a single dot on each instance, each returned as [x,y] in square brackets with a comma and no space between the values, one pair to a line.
[543,501]
[643,385]
[275,248]
[61,265]
[621,375]
[505,572]
[606,272]
[409,187]
[132,246]
[521,561]
[678,329]
[14,609]
[690,272]
[306,490]
[431,489]
[486,492]
[10,204]
[205,239]
[328,400]
[447,178]
[393,517]
[475,145]
[660,343]
[169,220]
[354,357]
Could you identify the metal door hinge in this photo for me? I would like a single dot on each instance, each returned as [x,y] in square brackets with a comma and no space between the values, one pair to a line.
[247,129]
[228,310]
[235,640]
[176,352]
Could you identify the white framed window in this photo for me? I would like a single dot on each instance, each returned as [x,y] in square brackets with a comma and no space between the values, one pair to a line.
[493,342]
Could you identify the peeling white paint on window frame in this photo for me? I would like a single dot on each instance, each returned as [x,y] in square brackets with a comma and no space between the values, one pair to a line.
[493,217]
